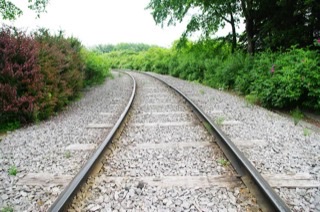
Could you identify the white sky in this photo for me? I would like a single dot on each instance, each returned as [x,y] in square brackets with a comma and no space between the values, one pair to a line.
[100,22]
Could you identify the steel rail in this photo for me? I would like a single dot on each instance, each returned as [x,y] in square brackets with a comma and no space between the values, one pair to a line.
[69,192]
[266,196]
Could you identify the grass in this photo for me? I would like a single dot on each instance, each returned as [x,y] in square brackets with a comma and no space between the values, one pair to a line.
[223,162]
[13,170]
[306,132]
[297,115]
[220,120]
[7,209]
[67,154]
[251,99]
[201,91]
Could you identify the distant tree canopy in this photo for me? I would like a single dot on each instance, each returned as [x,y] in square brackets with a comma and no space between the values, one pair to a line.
[270,24]
[208,16]
[134,47]
[9,11]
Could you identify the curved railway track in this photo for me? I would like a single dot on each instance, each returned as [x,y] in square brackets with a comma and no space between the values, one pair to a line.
[167,155]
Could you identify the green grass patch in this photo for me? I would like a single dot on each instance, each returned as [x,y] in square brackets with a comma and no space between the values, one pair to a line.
[7,209]
[223,162]
[252,99]
[297,115]
[306,132]
[12,170]
[67,154]
[220,120]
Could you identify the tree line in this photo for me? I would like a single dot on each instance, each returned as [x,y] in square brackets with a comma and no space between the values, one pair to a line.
[134,47]
[269,24]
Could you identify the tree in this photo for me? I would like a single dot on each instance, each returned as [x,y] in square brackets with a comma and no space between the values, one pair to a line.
[287,23]
[273,24]
[9,11]
[208,15]
[248,13]
[134,47]
[280,24]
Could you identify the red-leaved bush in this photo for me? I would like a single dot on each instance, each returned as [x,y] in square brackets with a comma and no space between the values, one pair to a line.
[20,77]
[39,74]
[62,69]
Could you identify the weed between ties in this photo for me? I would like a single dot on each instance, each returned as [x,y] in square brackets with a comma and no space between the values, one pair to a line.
[13,170]
[220,120]
[223,162]
[7,209]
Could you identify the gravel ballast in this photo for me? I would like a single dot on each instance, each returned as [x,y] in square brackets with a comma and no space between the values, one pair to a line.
[41,148]
[287,148]
[279,147]
[154,166]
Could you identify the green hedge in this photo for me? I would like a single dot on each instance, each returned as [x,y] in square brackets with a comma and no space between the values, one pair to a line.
[283,80]
[96,68]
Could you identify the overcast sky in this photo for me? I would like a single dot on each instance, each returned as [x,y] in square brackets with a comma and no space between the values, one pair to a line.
[101,22]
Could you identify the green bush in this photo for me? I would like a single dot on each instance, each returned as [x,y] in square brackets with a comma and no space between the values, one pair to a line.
[273,79]
[295,81]
[96,68]
[223,73]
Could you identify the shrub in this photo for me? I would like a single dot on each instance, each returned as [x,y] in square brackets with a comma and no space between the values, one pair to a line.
[282,80]
[20,78]
[96,68]
[294,81]
[62,68]
[39,75]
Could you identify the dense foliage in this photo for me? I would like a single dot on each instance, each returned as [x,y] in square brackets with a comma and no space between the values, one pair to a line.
[285,80]
[96,68]
[42,73]
[20,77]
[8,10]
[269,24]
[281,37]
[62,70]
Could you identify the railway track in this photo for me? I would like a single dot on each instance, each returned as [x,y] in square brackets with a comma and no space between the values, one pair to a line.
[167,155]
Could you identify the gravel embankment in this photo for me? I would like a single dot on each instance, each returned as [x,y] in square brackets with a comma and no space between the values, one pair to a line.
[153,166]
[279,146]
[41,148]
